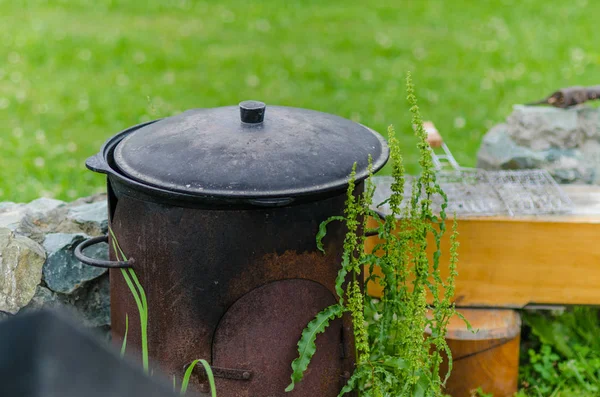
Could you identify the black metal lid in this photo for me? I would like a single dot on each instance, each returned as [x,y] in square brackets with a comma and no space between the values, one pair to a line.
[250,151]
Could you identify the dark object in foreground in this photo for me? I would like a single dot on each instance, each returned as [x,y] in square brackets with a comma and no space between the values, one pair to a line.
[219,209]
[570,96]
[43,354]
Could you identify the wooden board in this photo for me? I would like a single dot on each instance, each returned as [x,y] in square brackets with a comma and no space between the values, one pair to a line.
[515,261]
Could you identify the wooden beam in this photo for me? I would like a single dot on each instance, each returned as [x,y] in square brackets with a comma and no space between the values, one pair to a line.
[514,261]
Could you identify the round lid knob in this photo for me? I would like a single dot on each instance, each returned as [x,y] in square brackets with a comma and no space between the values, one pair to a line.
[252,112]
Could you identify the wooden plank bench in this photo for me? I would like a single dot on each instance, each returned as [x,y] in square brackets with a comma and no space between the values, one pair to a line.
[511,262]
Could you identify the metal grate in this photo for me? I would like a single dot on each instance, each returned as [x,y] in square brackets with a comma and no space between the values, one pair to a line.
[476,192]
[530,192]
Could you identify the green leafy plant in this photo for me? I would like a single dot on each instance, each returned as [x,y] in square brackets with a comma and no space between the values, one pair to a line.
[394,358]
[480,393]
[139,295]
[562,352]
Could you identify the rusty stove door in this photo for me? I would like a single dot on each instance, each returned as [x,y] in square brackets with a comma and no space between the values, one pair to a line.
[257,339]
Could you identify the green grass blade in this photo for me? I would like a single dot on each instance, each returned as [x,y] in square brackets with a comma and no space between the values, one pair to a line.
[143,319]
[306,344]
[188,374]
[124,345]
[139,296]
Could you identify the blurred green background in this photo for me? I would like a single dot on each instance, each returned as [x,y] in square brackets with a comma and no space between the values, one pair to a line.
[75,72]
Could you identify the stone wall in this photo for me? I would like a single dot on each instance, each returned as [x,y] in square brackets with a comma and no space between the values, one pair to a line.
[37,265]
[566,142]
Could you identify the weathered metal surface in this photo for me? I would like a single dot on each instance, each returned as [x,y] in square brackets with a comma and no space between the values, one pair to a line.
[99,262]
[223,205]
[261,331]
[213,152]
[195,264]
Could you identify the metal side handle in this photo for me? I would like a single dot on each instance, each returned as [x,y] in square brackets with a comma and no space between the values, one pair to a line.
[99,262]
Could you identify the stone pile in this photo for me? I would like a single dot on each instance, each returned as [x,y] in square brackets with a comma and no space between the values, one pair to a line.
[566,142]
[37,266]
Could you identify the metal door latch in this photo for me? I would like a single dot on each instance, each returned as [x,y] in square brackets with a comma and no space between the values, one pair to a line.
[225,373]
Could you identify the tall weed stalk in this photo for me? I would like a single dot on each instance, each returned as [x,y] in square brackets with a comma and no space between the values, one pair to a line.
[393,355]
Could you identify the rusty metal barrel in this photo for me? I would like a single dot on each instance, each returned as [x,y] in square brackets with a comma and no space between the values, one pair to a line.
[217,210]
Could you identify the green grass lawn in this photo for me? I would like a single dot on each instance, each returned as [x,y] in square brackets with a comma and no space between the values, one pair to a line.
[75,72]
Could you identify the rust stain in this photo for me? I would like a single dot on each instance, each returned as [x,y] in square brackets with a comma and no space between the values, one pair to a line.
[314,266]
[198,265]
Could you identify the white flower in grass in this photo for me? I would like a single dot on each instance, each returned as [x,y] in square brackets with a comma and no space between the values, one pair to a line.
[345,72]
[14,57]
[122,80]
[40,136]
[16,77]
[169,77]
[383,40]
[366,75]
[227,16]
[252,81]
[577,55]
[459,122]
[299,61]
[84,54]
[263,25]
[139,57]
[39,162]
[21,96]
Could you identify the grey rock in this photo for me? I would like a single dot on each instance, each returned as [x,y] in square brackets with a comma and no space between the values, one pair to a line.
[93,303]
[43,205]
[50,216]
[62,271]
[11,214]
[90,305]
[499,151]
[6,205]
[589,123]
[37,265]
[565,142]
[540,128]
[567,166]
[56,241]
[93,216]
[43,299]
[590,151]
[21,263]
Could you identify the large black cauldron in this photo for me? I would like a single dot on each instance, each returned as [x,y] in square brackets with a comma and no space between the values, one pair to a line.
[218,210]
